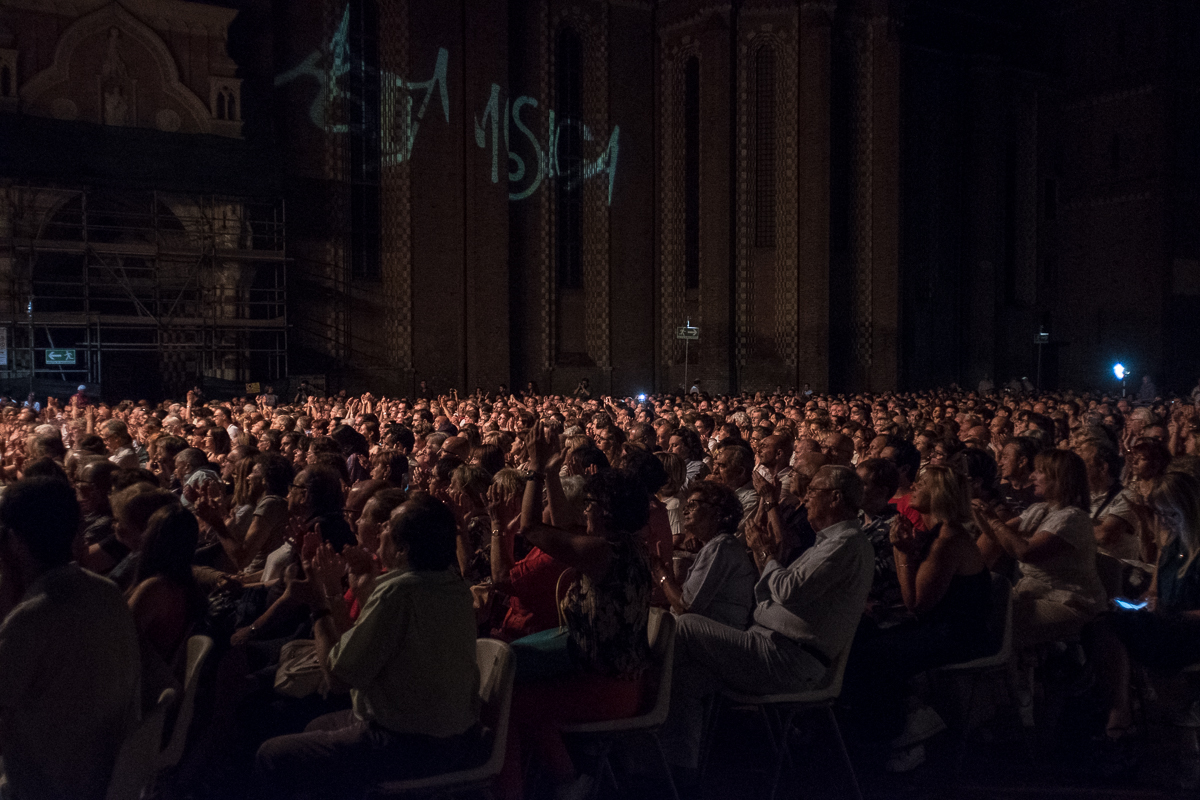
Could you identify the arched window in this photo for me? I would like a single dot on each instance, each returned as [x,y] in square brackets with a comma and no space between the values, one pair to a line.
[568,159]
[231,106]
[5,81]
[221,114]
[691,173]
[764,147]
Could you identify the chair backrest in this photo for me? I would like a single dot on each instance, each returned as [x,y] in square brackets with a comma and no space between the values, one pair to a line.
[198,650]
[137,760]
[496,671]
[1002,615]
[661,633]
[832,685]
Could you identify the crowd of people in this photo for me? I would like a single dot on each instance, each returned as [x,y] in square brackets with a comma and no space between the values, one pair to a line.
[346,552]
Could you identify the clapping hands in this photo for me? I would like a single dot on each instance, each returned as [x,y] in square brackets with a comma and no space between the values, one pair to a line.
[902,535]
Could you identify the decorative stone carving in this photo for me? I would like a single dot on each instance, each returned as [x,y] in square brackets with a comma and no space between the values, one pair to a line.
[167,120]
[112,65]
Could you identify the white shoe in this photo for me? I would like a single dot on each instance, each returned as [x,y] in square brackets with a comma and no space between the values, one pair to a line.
[582,788]
[922,723]
[906,760]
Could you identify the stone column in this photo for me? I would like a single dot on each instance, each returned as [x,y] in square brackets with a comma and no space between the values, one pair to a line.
[875,151]
[812,314]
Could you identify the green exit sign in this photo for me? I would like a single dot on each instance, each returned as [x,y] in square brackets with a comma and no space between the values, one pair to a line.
[60,356]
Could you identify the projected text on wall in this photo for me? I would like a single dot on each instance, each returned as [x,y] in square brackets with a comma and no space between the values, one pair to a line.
[528,161]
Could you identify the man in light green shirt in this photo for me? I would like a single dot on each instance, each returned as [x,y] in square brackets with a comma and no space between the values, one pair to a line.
[409,662]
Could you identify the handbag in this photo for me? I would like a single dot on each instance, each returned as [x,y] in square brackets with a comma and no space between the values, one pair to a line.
[299,673]
[543,655]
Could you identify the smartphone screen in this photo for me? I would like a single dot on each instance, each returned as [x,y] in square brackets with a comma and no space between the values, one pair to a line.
[1129,604]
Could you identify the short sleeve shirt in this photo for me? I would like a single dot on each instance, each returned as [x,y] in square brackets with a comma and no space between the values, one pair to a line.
[1130,547]
[720,583]
[1069,578]
[410,657]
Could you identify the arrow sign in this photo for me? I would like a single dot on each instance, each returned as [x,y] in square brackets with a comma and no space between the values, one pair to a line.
[60,356]
[687,332]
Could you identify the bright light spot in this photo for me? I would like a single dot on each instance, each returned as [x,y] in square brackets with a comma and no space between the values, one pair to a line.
[1119,371]
[641,398]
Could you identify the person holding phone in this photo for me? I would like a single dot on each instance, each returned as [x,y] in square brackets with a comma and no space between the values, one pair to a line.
[1160,631]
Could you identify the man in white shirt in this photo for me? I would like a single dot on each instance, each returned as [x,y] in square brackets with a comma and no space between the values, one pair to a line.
[732,466]
[805,619]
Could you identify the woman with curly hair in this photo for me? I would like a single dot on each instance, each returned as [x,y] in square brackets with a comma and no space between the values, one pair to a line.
[720,583]
[594,671]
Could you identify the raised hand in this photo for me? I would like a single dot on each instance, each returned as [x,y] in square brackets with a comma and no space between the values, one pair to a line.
[544,446]
[363,570]
[327,568]
[767,488]
[310,545]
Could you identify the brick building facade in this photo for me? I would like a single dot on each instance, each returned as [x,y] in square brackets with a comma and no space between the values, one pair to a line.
[854,194]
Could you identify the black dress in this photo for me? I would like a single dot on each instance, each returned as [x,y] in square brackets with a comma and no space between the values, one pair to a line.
[882,661]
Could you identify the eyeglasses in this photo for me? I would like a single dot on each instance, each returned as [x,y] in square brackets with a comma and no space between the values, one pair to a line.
[300,486]
[698,503]
[815,489]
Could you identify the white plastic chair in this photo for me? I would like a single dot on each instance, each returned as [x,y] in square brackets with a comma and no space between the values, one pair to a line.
[136,762]
[779,712]
[661,633]
[198,650]
[496,672]
[1000,660]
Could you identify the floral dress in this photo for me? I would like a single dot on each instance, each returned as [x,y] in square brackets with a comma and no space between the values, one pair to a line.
[607,620]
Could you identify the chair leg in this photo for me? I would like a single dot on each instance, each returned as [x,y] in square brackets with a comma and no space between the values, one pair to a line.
[837,732]
[666,765]
[1010,683]
[966,729]
[707,734]
[781,746]
[604,769]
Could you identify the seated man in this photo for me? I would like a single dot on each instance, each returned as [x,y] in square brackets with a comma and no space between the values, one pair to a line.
[805,618]
[409,662]
[69,660]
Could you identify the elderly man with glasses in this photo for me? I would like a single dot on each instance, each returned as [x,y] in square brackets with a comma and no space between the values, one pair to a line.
[805,617]
[732,468]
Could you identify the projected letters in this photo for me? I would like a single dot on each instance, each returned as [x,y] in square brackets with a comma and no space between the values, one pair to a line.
[399,133]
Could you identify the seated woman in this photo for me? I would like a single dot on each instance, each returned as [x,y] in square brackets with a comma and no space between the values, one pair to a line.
[165,599]
[1165,635]
[1055,548]
[720,583]
[217,444]
[945,583]
[596,672]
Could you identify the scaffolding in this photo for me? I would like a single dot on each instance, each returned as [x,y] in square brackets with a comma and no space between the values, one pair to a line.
[140,293]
